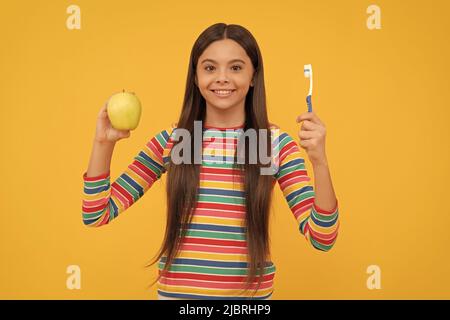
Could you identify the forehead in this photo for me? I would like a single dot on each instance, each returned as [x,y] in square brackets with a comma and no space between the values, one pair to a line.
[223,51]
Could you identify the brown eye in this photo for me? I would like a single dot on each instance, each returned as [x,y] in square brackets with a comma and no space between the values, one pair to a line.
[237,66]
[206,68]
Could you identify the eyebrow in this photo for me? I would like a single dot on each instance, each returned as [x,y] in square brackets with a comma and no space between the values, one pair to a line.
[234,60]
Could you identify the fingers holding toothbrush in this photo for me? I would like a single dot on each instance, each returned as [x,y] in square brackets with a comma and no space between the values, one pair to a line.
[310,116]
[312,136]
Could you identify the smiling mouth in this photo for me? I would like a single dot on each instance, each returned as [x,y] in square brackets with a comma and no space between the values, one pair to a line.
[223,93]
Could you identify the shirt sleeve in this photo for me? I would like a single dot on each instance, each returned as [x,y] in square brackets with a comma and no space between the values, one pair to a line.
[103,202]
[320,227]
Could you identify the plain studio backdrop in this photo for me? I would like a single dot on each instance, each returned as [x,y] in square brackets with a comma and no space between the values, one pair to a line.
[382,94]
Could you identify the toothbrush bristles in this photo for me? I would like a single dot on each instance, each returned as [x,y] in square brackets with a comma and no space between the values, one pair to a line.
[307,70]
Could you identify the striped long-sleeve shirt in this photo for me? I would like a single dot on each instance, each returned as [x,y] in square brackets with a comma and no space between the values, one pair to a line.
[212,261]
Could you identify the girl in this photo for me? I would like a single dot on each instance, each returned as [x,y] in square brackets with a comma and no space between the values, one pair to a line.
[216,244]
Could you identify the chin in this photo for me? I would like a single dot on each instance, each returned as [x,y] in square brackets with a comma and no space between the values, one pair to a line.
[222,105]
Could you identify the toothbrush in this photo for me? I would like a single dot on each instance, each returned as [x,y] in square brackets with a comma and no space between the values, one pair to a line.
[309,74]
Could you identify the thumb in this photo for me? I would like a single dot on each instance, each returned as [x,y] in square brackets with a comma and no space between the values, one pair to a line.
[125,134]
[103,111]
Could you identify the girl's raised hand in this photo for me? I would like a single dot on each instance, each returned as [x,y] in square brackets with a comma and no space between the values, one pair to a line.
[312,136]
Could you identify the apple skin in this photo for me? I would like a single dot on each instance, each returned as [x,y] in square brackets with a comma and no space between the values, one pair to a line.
[124,111]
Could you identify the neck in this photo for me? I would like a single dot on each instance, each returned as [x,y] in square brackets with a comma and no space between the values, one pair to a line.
[219,118]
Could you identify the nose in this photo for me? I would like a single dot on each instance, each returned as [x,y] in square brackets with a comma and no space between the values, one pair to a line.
[222,78]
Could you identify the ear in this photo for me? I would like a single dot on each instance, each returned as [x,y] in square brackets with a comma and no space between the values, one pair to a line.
[195,80]
[252,83]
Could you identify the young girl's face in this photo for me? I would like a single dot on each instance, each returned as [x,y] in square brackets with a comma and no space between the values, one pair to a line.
[225,66]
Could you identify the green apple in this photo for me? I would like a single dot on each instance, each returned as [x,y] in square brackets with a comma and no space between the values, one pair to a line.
[124,110]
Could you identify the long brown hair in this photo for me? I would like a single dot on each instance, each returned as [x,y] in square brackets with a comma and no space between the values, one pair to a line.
[183,179]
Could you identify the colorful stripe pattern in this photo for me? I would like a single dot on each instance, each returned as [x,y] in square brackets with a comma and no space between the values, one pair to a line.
[212,262]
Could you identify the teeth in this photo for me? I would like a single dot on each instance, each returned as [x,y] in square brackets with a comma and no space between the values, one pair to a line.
[223,91]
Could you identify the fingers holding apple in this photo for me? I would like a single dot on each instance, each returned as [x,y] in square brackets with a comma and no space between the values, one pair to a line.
[112,125]
[105,133]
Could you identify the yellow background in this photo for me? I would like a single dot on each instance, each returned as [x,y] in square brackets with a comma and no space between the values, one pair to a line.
[383,95]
